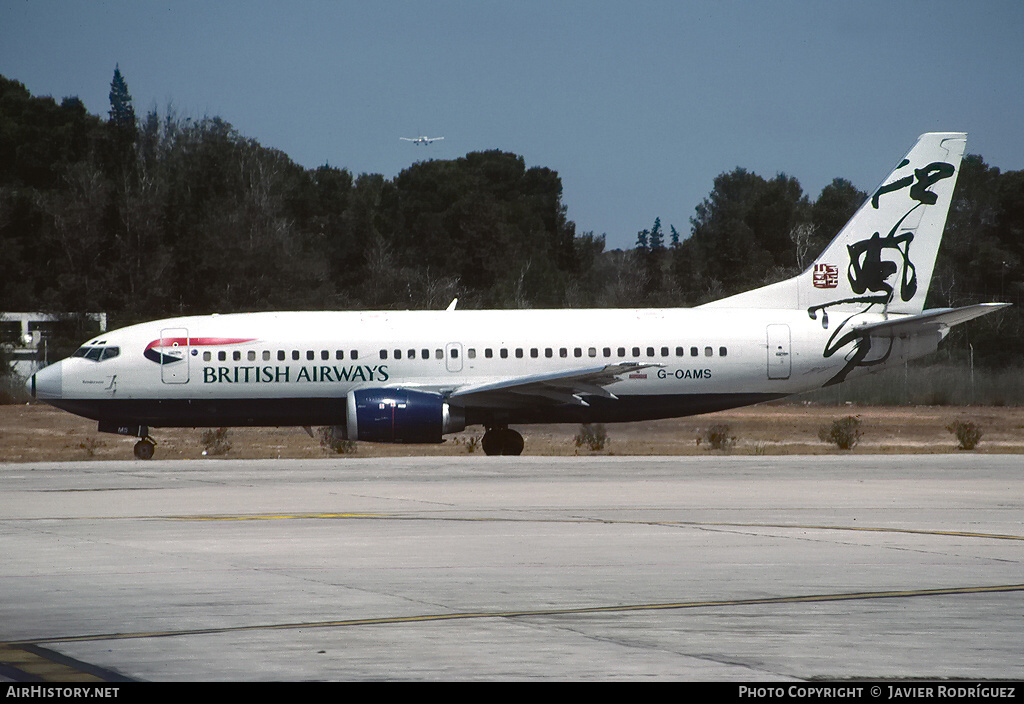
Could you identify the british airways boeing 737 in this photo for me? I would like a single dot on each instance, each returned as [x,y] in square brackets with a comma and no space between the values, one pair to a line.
[414,376]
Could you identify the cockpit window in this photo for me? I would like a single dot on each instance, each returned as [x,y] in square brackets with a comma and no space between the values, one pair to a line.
[97,353]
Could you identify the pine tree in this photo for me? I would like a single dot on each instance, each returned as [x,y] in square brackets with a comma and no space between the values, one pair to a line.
[122,114]
[657,240]
[122,128]
[641,240]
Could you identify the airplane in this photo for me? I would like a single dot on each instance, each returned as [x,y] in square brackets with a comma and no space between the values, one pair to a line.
[416,376]
[421,139]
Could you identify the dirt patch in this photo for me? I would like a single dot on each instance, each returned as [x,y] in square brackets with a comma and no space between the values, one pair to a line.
[39,433]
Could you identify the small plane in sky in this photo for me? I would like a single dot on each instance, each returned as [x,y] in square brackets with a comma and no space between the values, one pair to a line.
[415,376]
[421,140]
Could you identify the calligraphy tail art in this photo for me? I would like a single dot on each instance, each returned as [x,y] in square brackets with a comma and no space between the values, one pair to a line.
[867,289]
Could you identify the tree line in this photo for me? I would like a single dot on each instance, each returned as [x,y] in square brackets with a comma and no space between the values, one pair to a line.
[166,215]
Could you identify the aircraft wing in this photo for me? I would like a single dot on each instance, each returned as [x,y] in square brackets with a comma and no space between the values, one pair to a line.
[557,387]
[929,320]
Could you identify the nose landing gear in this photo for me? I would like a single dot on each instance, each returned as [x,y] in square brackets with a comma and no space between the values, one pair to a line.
[144,448]
[502,440]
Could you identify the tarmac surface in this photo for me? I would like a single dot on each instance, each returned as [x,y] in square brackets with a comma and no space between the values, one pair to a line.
[502,568]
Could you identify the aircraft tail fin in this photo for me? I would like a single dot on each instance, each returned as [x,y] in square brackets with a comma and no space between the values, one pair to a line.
[882,259]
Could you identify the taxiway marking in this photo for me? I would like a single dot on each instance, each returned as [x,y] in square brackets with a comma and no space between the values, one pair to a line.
[621,608]
[696,524]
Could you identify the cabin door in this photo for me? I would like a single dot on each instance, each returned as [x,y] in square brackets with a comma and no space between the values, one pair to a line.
[779,360]
[174,352]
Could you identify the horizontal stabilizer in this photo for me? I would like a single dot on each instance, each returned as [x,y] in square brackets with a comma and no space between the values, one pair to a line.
[928,321]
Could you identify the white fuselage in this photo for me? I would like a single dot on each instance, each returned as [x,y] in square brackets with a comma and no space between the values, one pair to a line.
[301,362]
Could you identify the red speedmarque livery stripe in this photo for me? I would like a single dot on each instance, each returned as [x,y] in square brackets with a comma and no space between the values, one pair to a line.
[151,354]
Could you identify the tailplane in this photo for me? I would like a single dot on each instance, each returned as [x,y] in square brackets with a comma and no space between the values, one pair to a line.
[882,260]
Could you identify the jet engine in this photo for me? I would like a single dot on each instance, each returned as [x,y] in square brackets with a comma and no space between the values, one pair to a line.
[400,415]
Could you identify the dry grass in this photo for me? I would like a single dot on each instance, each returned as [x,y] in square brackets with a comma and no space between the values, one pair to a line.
[38,433]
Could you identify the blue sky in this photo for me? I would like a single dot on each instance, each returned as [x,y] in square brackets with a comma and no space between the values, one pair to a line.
[637,105]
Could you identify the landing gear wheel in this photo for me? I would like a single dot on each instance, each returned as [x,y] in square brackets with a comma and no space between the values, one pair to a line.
[502,441]
[144,449]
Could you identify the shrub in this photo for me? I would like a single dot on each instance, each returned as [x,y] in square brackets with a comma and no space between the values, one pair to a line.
[595,437]
[844,433]
[968,433]
[215,442]
[90,445]
[332,438]
[718,437]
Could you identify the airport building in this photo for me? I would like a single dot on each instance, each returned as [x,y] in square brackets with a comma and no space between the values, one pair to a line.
[26,336]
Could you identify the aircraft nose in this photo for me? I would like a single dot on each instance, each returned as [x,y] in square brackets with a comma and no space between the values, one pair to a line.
[47,382]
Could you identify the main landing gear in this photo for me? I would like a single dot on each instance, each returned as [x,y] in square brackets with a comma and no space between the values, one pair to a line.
[502,440]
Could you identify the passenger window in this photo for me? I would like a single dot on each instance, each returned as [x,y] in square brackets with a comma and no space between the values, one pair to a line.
[454,352]
[325,355]
[439,354]
[577,352]
[424,354]
[621,351]
[693,352]
[592,352]
[280,355]
[354,354]
[519,352]
[650,351]
[266,355]
[664,351]
[636,351]
[222,356]
[207,356]
[534,353]
[562,352]
[679,352]
[252,355]
[722,351]
[339,354]
[471,353]
[548,352]
[503,353]
[310,355]
[295,355]
[607,351]
[708,352]
[236,356]
[383,354]
[488,352]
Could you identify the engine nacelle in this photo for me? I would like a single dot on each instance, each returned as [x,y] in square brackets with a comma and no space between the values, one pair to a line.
[400,415]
